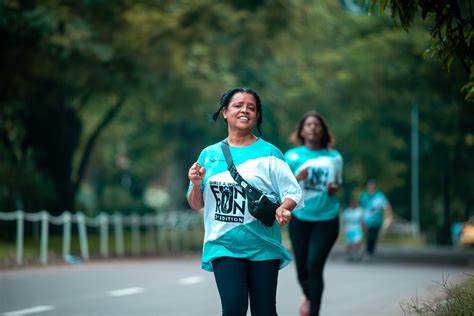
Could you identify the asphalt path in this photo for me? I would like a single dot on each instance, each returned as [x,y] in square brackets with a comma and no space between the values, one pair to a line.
[178,287]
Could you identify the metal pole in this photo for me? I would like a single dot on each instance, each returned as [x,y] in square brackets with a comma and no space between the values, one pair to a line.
[104,235]
[135,229]
[20,217]
[150,233]
[83,244]
[118,229]
[44,237]
[415,208]
[66,234]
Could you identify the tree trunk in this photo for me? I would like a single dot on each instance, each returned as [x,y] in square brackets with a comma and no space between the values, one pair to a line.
[90,146]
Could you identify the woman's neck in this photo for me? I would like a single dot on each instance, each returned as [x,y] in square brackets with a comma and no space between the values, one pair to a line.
[241,140]
[312,145]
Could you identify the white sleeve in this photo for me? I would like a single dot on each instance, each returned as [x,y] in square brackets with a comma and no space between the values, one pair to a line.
[284,181]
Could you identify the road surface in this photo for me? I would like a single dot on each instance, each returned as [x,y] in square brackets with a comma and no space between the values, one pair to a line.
[178,287]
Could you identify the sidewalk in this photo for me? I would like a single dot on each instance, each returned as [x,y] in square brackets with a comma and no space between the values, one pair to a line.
[429,255]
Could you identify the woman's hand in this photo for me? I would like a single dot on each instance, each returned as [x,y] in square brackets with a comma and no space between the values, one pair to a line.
[303,174]
[196,174]
[333,188]
[283,215]
[283,212]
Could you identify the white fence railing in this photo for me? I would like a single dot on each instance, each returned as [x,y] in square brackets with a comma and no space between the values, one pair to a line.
[176,230]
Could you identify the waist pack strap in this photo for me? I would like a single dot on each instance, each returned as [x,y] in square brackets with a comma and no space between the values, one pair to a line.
[251,192]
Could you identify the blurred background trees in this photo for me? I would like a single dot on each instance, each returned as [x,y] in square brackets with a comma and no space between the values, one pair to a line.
[450,24]
[105,104]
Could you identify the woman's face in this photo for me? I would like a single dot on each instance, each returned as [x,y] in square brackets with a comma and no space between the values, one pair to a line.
[241,113]
[312,130]
[371,187]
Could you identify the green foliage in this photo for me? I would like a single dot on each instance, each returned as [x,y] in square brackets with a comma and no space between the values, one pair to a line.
[118,199]
[23,186]
[451,30]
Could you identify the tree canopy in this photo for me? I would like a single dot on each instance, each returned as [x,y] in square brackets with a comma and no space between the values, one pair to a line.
[451,28]
[102,100]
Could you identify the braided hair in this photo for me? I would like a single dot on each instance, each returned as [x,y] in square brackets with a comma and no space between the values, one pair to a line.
[227,96]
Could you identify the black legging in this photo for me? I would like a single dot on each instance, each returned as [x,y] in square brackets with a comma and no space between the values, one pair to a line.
[239,279]
[312,242]
[372,235]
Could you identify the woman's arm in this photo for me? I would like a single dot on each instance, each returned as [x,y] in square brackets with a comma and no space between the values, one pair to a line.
[195,199]
[388,216]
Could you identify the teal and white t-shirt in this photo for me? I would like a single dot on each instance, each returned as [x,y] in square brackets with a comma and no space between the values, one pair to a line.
[325,166]
[352,218]
[230,229]
[373,207]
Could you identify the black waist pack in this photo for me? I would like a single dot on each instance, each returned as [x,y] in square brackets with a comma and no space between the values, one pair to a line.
[263,209]
[260,205]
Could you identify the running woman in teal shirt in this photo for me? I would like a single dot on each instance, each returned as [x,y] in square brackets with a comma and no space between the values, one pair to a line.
[244,254]
[314,228]
[377,214]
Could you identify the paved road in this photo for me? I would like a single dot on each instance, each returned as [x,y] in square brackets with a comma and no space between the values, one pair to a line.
[177,287]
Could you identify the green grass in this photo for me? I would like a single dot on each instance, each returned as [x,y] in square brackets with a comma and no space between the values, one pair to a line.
[457,300]
[405,240]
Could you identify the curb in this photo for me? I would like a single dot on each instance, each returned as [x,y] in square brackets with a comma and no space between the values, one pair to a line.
[430,256]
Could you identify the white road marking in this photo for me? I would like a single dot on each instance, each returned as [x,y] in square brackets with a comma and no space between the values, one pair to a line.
[191,280]
[127,291]
[31,310]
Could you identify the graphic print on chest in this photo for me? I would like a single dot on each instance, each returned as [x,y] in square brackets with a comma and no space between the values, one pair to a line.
[317,179]
[231,202]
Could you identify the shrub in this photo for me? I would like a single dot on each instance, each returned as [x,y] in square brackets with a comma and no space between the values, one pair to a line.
[457,300]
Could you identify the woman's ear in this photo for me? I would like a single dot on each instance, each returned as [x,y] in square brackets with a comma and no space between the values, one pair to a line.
[224,113]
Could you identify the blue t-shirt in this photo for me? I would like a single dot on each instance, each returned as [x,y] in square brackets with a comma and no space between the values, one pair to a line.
[230,229]
[373,205]
[325,166]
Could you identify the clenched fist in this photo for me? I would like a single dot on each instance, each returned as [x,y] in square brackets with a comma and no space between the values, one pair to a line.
[283,215]
[196,174]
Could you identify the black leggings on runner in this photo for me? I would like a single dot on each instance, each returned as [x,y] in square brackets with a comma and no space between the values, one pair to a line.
[372,235]
[312,242]
[240,279]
